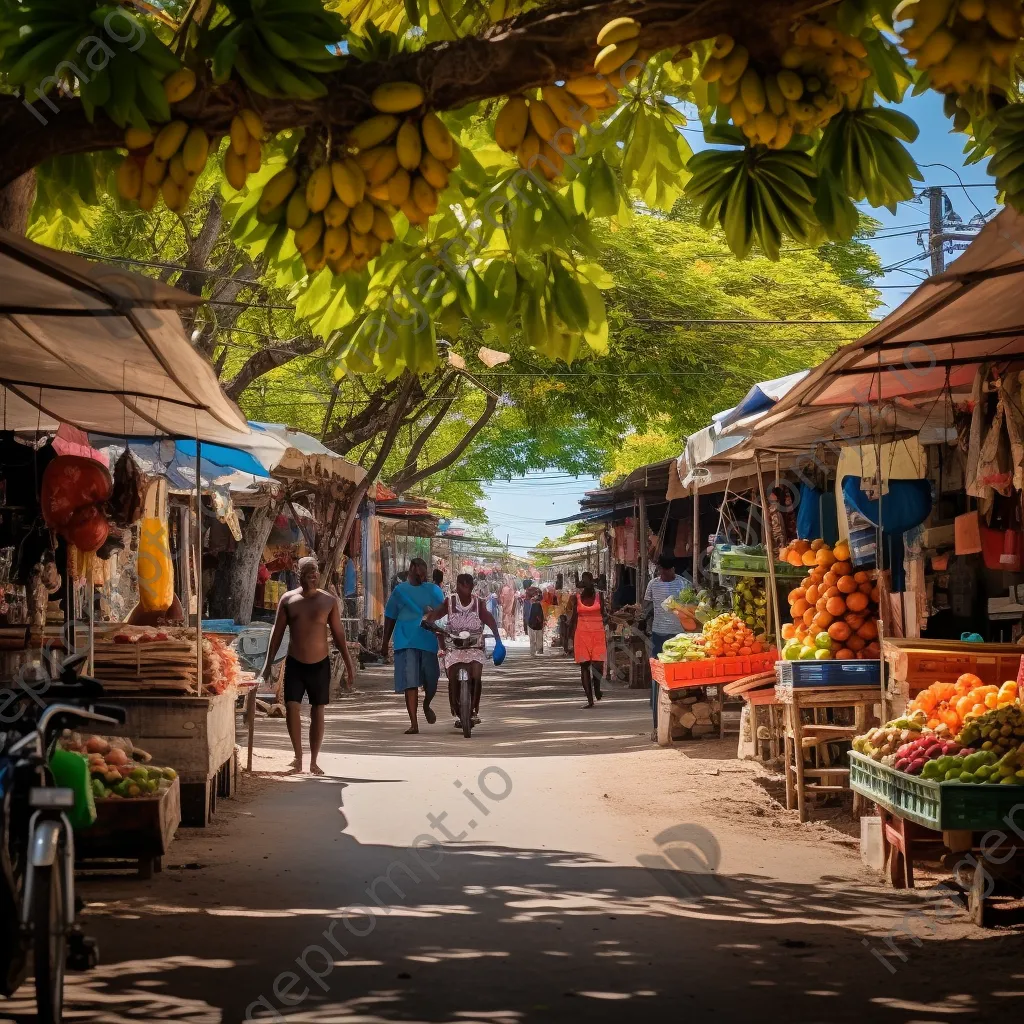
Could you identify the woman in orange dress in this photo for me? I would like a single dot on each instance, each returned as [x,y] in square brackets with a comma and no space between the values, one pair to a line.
[586,627]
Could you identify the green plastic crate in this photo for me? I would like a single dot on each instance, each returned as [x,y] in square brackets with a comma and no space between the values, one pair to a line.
[940,806]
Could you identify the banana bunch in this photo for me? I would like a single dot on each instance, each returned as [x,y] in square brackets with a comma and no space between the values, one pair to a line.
[756,196]
[166,165]
[244,155]
[864,150]
[46,43]
[282,48]
[963,45]
[1007,163]
[342,212]
[823,72]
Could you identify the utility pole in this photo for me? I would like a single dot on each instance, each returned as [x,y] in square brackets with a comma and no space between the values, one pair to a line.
[937,235]
[935,239]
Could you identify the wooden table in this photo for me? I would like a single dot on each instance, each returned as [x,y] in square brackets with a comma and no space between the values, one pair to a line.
[801,737]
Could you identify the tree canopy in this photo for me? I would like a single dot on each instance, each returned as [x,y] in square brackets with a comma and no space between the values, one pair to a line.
[407,173]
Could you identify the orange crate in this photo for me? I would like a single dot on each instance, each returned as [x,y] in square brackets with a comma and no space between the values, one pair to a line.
[916,664]
[737,667]
[683,673]
[763,661]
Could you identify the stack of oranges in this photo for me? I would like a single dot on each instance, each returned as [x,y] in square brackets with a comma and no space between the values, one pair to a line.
[727,635]
[832,598]
[952,704]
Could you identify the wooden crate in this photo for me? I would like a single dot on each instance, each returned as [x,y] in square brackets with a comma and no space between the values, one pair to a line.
[193,735]
[139,829]
[915,664]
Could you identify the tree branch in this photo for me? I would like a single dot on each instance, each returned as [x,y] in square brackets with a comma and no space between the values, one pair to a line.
[550,42]
[427,431]
[404,483]
[267,359]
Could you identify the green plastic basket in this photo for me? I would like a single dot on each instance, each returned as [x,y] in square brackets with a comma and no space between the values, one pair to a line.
[940,806]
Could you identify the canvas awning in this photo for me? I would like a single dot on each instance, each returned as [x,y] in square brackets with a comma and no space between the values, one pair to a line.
[904,375]
[293,455]
[103,350]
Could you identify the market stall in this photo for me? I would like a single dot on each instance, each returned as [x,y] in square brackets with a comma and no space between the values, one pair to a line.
[104,352]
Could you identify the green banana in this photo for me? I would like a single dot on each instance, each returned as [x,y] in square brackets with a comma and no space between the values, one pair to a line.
[765,230]
[736,215]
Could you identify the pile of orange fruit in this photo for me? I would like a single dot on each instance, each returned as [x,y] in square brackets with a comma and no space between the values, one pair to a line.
[727,635]
[952,704]
[832,598]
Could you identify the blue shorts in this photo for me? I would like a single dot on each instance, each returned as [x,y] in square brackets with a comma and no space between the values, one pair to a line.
[415,668]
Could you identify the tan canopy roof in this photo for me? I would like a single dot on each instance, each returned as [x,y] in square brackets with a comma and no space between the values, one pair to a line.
[903,376]
[103,350]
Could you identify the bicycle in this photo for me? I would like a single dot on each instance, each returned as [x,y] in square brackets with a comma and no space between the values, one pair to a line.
[37,852]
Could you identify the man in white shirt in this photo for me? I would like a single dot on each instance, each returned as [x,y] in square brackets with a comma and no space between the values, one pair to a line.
[663,586]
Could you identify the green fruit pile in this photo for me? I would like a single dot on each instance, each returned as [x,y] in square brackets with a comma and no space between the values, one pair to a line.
[978,767]
[142,781]
[750,603]
[683,647]
[1000,731]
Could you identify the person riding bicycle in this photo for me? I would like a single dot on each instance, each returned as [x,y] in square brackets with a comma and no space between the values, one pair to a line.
[466,613]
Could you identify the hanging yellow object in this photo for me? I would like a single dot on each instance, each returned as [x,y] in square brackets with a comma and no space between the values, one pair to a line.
[156,573]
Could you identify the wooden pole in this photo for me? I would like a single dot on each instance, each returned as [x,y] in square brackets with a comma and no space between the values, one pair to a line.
[641,547]
[198,572]
[696,532]
[773,592]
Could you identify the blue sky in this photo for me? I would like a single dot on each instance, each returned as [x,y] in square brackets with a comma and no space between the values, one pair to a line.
[518,509]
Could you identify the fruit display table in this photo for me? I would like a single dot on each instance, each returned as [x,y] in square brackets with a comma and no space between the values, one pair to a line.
[815,737]
[951,821]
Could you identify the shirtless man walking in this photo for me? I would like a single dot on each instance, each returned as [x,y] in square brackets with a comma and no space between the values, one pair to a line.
[308,613]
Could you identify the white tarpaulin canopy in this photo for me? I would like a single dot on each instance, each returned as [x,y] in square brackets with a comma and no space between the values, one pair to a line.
[904,375]
[103,350]
[290,454]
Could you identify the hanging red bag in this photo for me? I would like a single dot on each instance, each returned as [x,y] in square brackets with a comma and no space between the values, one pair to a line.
[87,528]
[69,482]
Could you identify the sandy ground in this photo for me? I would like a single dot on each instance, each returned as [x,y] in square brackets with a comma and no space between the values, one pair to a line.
[556,866]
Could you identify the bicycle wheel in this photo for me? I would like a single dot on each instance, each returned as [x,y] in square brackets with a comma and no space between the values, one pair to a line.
[49,940]
[466,703]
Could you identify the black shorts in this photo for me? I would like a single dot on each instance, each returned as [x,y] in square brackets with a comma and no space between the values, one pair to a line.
[301,678]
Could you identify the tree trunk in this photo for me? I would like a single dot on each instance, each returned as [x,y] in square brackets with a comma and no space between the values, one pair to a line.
[234,583]
[16,203]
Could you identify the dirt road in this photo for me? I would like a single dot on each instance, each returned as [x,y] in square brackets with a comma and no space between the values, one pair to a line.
[557,866]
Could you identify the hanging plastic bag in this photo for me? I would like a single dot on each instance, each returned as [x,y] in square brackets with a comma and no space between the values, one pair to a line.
[156,571]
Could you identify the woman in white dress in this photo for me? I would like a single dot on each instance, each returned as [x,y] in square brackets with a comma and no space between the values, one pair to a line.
[466,613]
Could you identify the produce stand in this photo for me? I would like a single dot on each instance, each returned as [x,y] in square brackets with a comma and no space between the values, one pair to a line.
[140,830]
[915,664]
[700,717]
[945,820]
[196,736]
[802,737]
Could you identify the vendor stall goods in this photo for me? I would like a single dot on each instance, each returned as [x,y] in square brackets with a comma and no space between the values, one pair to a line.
[726,635]
[834,608]
[118,769]
[140,658]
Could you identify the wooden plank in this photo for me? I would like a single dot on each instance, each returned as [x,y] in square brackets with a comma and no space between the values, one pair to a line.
[138,827]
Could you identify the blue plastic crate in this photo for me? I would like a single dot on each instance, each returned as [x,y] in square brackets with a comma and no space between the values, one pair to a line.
[798,675]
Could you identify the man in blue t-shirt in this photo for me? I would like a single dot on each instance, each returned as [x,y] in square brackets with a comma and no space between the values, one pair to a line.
[416,661]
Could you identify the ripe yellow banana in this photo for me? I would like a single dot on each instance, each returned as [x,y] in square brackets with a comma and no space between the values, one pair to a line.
[171,192]
[309,234]
[723,46]
[396,97]
[527,150]
[436,136]
[738,112]
[409,146]
[136,138]
[239,134]
[361,218]
[1005,18]
[382,227]
[511,123]
[398,186]
[342,265]
[412,212]
[453,161]
[618,30]
[349,181]
[179,85]
[148,196]
[612,57]
[564,106]
[129,179]
[735,64]
[318,189]
[776,102]
[277,190]
[727,93]
[176,169]
[234,169]
[434,171]
[424,196]
[358,242]
[335,213]
[154,170]
[373,131]
[253,156]
[335,242]
[543,119]
[297,212]
[383,166]
[314,258]
[713,69]
[253,123]
[752,91]
[169,140]
[195,151]
[791,84]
